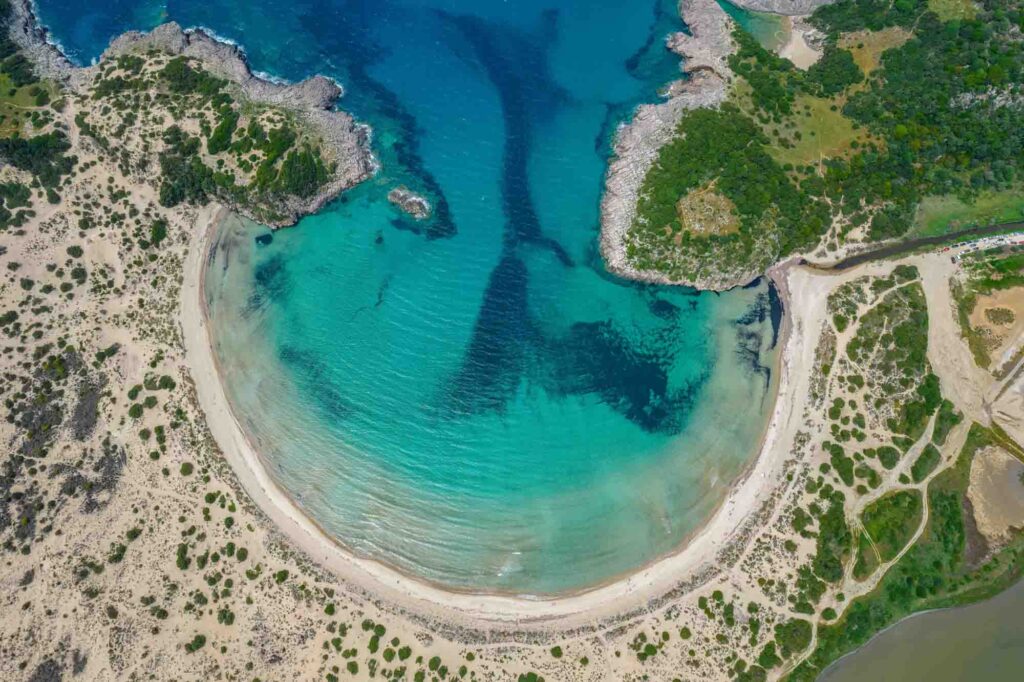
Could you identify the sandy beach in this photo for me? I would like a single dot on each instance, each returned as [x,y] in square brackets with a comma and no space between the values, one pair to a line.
[692,565]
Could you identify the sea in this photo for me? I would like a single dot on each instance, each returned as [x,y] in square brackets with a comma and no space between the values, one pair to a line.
[473,399]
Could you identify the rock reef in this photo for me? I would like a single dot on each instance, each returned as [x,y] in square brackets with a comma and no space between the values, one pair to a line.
[409,202]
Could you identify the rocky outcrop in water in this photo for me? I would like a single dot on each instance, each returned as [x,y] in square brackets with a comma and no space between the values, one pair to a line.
[706,51]
[410,202]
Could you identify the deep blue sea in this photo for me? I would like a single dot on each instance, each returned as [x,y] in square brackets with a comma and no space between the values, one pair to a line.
[474,400]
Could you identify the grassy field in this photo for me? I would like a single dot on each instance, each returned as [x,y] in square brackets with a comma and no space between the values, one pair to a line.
[818,132]
[813,132]
[867,46]
[939,215]
[16,104]
[953,9]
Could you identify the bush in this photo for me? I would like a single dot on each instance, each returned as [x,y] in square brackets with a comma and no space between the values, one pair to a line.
[183,78]
[793,636]
[220,138]
[157,232]
[197,643]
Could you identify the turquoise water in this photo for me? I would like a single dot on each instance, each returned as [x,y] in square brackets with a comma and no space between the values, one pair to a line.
[475,400]
[771,30]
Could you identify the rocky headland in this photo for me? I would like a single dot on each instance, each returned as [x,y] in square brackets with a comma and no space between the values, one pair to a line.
[705,51]
[343,143]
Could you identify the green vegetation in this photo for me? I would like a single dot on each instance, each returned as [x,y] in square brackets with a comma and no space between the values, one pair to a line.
[246,154]
[947,418]
[925,463]
[934,573]
[892,520]
[793,636]
[42,155]
[725,147]
[953,9]
[890,116]
[867,558]
[949,213]
[183,78]
[15,203]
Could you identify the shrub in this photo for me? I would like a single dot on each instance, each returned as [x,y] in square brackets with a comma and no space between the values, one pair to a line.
[197,643]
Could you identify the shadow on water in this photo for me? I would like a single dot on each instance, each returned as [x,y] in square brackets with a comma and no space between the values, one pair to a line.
[507,344]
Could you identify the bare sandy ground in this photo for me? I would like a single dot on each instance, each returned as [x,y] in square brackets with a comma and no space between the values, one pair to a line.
[997,493]
[796,48]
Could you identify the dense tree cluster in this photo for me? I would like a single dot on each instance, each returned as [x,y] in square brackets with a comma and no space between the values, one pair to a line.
[14,196]
[946,105]
[185,79]
[833,73]
[941,117]
[43,156]
[775,82]
[302,173]
[220,139]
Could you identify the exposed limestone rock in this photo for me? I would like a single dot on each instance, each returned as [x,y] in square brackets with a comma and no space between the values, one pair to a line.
[313,100]
[49,62]
[708,45]
[706,52]
[410,202]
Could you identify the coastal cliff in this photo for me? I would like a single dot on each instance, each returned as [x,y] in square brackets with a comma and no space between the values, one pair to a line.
[705,50]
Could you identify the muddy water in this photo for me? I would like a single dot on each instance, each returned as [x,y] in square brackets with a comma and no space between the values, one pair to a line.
[983,642]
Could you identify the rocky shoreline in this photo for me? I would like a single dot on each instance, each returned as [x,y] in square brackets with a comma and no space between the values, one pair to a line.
[312,100]
[706,51]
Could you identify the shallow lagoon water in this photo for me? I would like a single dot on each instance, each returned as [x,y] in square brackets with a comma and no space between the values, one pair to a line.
[982,641]
[473,399]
